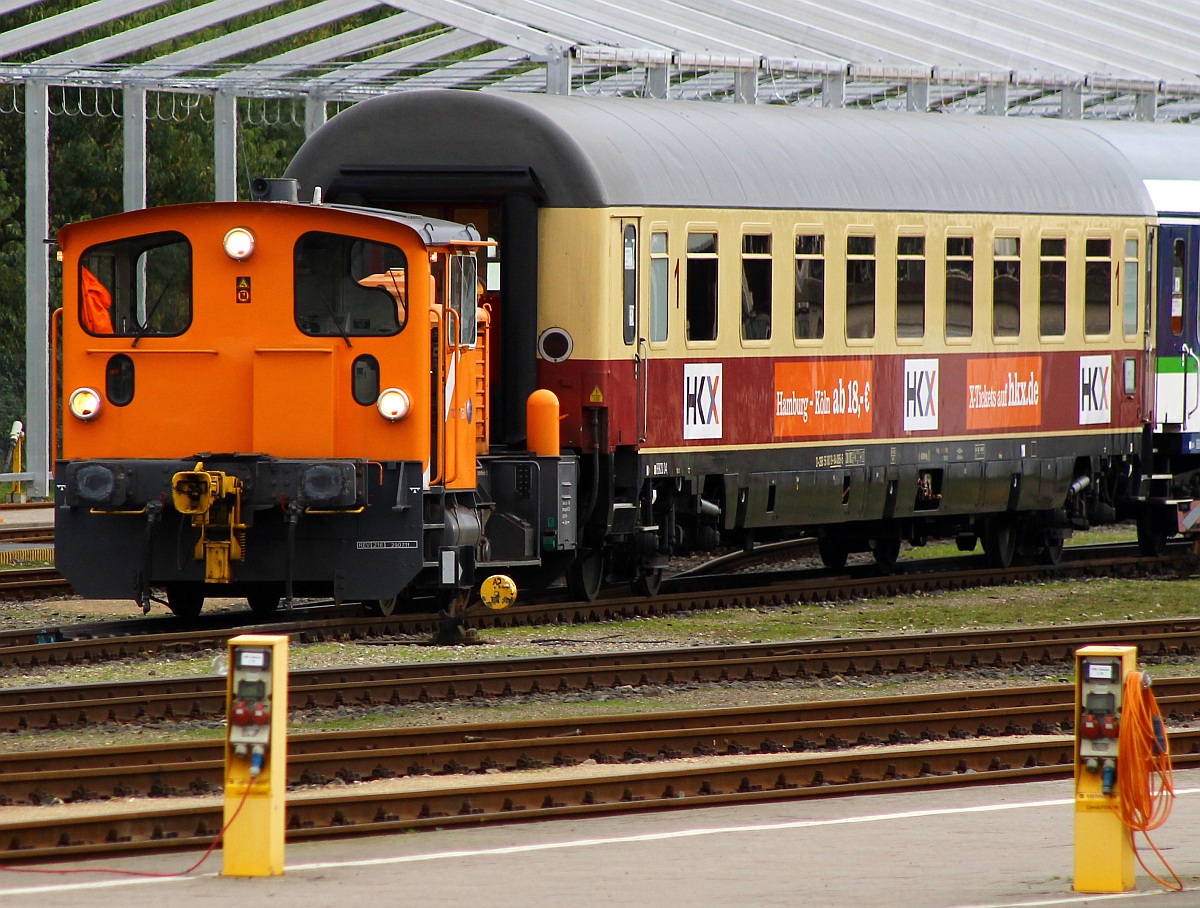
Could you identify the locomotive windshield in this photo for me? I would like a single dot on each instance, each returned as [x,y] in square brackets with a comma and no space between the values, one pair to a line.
[137,286]
[349,287]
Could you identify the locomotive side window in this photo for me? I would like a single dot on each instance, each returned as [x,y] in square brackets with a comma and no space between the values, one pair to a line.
[910,286]
[1097,313]
[960,286]
[364,380]
[702,287]
[1129,323]
[810,286]
[1006,286]
[464,296]
[860,286]
[756,287]
[660,275]
[349,287]
[137,286]
[1054,288]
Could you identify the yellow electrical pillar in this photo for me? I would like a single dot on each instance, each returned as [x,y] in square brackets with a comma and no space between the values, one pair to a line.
[1103,845]
[256,707]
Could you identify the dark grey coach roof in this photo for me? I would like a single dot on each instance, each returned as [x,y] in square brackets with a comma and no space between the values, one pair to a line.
[586,152]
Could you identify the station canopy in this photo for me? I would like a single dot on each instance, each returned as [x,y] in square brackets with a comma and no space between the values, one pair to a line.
[1077,59]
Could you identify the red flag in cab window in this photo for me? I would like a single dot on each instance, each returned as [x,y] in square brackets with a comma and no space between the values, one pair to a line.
[97,302]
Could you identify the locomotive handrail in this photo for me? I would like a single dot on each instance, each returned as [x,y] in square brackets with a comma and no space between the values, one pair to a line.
[55,328]
[449,314]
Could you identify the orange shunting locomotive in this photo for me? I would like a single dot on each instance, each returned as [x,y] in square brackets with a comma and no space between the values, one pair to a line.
[272,399]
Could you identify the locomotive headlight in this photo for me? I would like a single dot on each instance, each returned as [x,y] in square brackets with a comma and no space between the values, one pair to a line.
[84,403]
[238,243]
[393,404]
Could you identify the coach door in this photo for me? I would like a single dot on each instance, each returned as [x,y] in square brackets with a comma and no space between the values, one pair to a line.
[1177,372]
[632,321]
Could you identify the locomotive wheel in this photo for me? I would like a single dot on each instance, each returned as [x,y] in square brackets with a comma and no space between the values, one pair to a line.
[833,551]
[264,605]
[1151,537]
[648,581]
[887,552]
[585,575]
[382,607]
[185,599]
[1000,542]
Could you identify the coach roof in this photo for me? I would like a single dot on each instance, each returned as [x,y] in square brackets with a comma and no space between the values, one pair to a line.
[585,152]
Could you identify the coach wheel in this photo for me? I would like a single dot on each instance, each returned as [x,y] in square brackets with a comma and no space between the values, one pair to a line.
[1000,542]
[264,605]
[1151,536]
[833,551]
[1051,550]
[648,581]
[185,599]
[385,608]
[887,551]
[585,575]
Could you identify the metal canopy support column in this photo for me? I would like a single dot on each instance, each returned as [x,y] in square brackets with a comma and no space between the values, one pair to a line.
[1071,102]
[315,113]
[658,80]
[134,124]
[37,285]
[916,95]
[833,89]
[225,145]
[745,86]
[1145,105]
[558,70]
[995,99]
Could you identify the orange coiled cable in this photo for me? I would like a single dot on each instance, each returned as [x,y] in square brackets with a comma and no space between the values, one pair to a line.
[1145,778]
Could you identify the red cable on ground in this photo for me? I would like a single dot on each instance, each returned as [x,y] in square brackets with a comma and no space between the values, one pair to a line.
[1145,778]
[8,868]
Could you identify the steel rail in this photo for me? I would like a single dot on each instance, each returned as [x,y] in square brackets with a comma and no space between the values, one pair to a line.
[363,810]
[172,768]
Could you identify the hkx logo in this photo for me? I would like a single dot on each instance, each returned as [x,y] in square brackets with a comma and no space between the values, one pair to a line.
[920,394]
[702,400]
[1095,390]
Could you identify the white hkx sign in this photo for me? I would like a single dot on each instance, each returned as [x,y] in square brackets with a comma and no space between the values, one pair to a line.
[920,394]
[702,408]
[1095,390]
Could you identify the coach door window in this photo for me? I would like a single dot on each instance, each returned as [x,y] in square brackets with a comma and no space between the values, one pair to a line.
[350,287]
[1006,286]
[1178,265]
[1129,322]
[137,287]
[756,287]
[1054,287]
[860,286]
[702,287]
[960,286]
[629,275]
[910,286]
[810,287]
[1097,312]
[660,284]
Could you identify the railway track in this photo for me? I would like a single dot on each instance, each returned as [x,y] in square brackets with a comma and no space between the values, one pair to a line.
[68,644]
[775,771]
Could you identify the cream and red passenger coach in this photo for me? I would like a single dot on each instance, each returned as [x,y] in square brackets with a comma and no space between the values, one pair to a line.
[760,320]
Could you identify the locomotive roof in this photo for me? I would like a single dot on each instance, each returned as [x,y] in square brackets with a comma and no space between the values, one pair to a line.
[583,152]
[434,231]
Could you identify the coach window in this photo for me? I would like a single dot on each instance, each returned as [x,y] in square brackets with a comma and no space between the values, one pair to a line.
[1054,287]
[1129,322]
[1178,265]
[1097,286]
[860,286]
[136,287]
[756,287]
[347,287]
[629,282]
[910,286]
[960,286]
[660,276]
[1006,286]
[702,287]
[810,286]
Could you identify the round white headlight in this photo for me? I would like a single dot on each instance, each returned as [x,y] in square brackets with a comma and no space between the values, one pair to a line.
[238,243]
[393,404]
[84,403]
